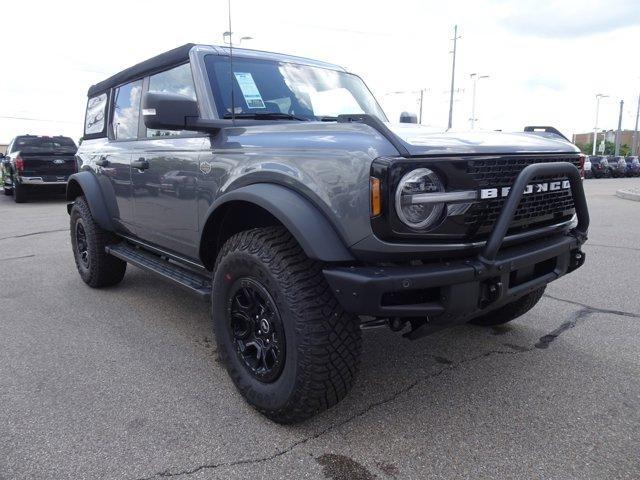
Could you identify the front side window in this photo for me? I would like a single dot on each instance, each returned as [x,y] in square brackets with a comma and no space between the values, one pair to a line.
[268,88]
[95,117]
[126,111]
[177,80]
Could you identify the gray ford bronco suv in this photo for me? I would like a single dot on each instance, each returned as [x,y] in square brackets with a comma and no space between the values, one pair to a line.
[275,187]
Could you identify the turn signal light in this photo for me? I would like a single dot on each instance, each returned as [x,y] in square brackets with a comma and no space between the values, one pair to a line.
[374,186]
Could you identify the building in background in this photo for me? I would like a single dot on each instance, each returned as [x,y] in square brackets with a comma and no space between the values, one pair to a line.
[582,139]
[3,148]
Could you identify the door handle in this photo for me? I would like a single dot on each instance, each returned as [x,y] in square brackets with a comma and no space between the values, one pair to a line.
[140,164]
[102,162]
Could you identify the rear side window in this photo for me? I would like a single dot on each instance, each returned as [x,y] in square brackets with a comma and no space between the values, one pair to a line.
[94,119]
[177,80]
[126,111]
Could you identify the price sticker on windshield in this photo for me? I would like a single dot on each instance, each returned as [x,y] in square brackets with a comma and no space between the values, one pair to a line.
[249,90]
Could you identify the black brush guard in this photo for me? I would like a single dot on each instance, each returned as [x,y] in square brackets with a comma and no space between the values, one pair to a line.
[452,292]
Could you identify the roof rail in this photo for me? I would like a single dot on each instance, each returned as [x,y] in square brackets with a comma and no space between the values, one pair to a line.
[547,129]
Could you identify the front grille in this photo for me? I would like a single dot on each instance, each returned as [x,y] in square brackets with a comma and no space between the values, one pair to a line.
[534,210]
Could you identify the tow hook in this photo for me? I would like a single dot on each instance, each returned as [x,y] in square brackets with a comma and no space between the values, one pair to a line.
[576,260]
[491,292]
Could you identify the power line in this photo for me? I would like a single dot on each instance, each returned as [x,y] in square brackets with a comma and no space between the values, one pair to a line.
[11,117]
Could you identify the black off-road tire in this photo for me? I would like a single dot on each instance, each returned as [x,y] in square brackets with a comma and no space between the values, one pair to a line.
[19,193]
[323,342]
[510,311]
[8,191]
[100,269]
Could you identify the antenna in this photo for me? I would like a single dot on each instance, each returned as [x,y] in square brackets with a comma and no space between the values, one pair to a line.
[233,103]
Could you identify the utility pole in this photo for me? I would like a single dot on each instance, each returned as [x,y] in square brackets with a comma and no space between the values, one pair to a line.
[453,74]
[422,98]
[634,143]
[595,127]
[476,77]
[619,132]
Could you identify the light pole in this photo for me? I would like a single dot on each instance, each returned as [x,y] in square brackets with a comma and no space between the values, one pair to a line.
[421,92]
[476,77]
[595,128]
[634,142]
[619,131]
[244,38]
[453,74]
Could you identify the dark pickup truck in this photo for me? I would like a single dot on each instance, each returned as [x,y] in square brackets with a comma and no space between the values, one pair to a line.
[34,162]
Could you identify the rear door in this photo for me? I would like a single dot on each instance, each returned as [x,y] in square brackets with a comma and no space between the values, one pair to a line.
[115,159]
[166,190]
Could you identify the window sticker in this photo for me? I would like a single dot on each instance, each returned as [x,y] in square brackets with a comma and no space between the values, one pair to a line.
[249,89]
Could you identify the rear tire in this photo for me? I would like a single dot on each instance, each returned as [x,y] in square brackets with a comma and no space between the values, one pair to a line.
[510,311]
[8,191]
[19,193]
[315,363]
[88,241]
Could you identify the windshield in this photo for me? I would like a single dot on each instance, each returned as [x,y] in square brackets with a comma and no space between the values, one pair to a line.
[33,144]
[272,89]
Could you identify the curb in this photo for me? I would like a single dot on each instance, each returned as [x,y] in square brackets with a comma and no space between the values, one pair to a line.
[629,194]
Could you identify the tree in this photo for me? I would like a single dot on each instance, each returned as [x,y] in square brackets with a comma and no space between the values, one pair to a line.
[609,148]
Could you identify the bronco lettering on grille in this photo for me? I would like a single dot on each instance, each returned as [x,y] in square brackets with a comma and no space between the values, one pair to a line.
[501,192]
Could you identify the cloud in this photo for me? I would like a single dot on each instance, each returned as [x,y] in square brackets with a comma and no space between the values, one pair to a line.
[569,18]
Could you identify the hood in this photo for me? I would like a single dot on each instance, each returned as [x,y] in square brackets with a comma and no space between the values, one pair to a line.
[422,140]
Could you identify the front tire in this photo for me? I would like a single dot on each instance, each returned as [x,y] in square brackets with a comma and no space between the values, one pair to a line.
[510,311]
[88,240]
[264,282]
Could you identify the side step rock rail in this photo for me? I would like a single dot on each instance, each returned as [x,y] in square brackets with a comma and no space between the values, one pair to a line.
[186,278]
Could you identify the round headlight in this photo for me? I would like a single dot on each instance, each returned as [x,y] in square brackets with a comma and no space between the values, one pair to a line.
[416,182]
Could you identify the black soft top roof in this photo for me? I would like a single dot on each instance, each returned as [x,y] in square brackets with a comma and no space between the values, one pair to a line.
[159,62]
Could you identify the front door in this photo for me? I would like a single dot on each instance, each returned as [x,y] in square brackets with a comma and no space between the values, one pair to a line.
[165,179]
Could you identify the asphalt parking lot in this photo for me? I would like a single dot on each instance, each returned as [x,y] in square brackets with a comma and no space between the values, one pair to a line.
[125,383]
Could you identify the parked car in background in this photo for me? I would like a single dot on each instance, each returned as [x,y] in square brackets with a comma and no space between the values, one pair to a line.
[599,166]
[587,167]
[633,166]
[618,166]
[33,162]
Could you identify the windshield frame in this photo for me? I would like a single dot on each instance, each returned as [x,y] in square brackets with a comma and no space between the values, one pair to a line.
[215,90]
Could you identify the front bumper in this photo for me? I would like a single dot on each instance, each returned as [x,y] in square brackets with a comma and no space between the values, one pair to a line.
[456,290]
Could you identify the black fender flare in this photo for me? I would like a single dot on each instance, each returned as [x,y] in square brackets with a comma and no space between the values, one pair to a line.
[85,183]
[308,225]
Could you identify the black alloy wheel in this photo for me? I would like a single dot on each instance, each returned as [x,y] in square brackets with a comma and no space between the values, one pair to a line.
[82,247]
[257,329]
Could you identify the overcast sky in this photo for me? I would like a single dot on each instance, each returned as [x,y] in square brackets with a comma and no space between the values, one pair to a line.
[546,59]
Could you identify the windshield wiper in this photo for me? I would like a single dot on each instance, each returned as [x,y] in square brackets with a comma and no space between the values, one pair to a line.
[328,118]
[267,116]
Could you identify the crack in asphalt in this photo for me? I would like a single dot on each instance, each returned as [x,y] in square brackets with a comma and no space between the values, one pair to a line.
[591,244]
[35,233]
[594,309]
[360,413]
[515,349]
[16,258]
[551,336]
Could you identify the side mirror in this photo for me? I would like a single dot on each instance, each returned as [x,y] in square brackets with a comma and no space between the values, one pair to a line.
[168,111]
[406,117]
